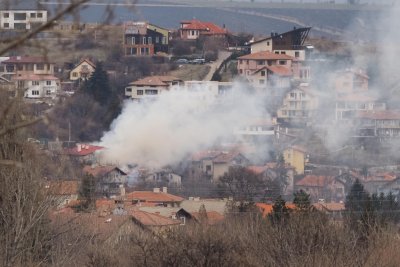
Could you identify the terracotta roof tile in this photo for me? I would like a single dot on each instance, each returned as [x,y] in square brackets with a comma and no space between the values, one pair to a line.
[267,209]
[315,181]
[35,77]
[155,81]
[207,27]
[152,219]
[26,59]
[83,151]
[150,196]
[213,217]
[98,171]
[225,157]
[265,55]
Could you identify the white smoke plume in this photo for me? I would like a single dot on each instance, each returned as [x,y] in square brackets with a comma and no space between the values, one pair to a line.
[165,130]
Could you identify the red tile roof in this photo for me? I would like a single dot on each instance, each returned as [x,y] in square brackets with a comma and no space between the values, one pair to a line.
[35,77]
[225,157]
[267,209]
[84,151]
[213,217]
[62,187]
[266,55]
[210,154]
[155,81]
[207,27]
[87,61]
[152,219]
[26,59]
[315,181]
[258,169]
[379,114]
[150,196]
[99,171]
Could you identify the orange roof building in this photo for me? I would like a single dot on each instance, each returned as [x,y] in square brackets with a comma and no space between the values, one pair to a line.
[193,29]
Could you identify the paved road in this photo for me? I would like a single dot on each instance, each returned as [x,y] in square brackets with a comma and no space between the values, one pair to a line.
[222,55]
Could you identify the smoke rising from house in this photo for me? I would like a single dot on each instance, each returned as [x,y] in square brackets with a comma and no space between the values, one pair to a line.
[163,131]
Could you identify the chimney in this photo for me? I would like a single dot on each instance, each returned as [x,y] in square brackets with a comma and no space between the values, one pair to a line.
[79,147]
[165,189]
[156,190]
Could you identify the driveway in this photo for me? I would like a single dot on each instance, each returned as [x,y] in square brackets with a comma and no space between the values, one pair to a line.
[222,55]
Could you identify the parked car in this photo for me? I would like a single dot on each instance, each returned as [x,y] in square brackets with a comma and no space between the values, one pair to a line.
[182,61]
[198,61]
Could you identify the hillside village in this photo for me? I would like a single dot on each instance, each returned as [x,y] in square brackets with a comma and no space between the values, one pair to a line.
[279,155]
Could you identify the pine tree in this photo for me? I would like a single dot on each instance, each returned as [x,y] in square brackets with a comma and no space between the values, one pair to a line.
[302,201]
[98,86]
[280,213]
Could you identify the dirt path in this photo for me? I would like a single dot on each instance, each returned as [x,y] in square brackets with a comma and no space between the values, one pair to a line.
[222,55]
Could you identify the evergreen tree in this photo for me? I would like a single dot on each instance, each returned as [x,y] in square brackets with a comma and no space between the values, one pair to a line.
[280,213]
[360,207]
[302,201]
[98,86]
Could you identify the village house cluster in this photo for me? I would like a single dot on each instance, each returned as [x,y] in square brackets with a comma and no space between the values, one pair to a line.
[278,66]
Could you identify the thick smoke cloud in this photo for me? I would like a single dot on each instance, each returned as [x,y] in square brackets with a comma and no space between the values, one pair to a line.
[163,131]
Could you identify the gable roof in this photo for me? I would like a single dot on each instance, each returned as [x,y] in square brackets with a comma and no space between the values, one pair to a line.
[152,219]
[207,27]
[83,151]
[150,196]
[35,77]
[99,171]
[315,180]
[62,187]
[213,217]
[155,81]
[26,59]
[225,157]
[87,61]
[278,70]
[266,55]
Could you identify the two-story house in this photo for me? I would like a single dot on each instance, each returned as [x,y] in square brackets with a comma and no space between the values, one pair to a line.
[290,43]
[322,188]
[381,125]
[299,105]
[349,81]
[83,70]
[151,86]
[195,29]
[111,180]
[144,39]
[22,19]
[33,75]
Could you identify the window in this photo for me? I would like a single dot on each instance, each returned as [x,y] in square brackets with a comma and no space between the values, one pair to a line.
[296,54]
[157,39]
[261,62]
[128,89]
[263,73]
[247,62]
[144,40]
[20,67]
[6,15]
[139,92]
[40,66]
[283,53]
[74,74]
[19,16]
[133,40]
[241,71]
[292,95]
[20,26]
[35,92]
[48,92]
[277,52]
[282,62]
[29,67]
[261,81]
[151,92]
[192,32]
[149,41]
[164,40]
[21,84]
[267,43]
[35,82]
[40,15]
[208,168]
[48,82]
[6,25]
[33,15]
